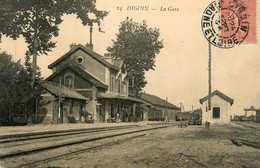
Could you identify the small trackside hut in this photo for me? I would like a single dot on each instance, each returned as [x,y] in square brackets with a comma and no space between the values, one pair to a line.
[220,108]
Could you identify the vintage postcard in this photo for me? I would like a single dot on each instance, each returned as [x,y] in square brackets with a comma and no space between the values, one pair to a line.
[129,83]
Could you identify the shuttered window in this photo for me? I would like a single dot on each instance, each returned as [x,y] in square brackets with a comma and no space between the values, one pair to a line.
[216,112]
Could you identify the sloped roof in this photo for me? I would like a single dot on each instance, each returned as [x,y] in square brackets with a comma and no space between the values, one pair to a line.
[252,108]
[115,96]
[86,50]
[157,101]
[56,89]
[221,95]
[80,71]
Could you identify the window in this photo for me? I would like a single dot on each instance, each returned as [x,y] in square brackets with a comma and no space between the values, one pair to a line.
[80,59]
[69,80]
[123,88]
[112,83]
[119,86]
[116,86]
[131,82]
[71,106]
[216,112]
[127,87]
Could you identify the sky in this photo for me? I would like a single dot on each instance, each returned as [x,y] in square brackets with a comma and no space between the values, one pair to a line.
[181,67]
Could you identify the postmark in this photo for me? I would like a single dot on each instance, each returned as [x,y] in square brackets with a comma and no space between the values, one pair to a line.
[226,23]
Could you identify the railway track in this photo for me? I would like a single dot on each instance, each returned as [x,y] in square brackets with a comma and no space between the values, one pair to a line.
[50,134]
[30,144]
[252,140]
[32,164]
[253,128]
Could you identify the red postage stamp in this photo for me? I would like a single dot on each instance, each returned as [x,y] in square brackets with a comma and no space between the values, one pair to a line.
[226,23]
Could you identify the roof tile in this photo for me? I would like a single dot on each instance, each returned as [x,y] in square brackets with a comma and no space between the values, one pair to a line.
[88,51]
[218,93]
[62,90]
[157,101]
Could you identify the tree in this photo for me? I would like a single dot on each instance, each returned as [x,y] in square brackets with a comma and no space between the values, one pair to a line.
[137,45]
[38,20]
[15,80]
[8,77]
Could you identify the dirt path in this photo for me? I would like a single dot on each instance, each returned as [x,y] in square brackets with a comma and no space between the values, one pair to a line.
[194,146]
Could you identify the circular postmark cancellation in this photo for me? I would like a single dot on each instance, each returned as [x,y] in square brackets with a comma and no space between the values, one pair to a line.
[225,23]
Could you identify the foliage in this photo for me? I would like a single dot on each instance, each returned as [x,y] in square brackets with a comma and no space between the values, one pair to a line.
[10,85]
[28,17]
[37,21]
[198,111]
[137,45]
[15,87]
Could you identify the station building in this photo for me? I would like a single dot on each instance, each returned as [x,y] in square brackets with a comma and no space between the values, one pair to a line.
[159,109]
[102,80]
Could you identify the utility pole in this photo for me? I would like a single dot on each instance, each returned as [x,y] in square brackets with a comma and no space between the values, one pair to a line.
[209,97]
[36,110]
[59,116]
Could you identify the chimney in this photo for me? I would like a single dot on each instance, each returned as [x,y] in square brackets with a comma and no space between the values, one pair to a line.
[108,58]
[89,46]
[72,45]
[167,99]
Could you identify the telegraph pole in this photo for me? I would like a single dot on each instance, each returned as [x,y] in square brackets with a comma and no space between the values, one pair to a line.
[59,112]
[209,97]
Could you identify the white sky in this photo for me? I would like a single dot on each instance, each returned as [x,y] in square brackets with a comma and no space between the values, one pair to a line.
[181,67]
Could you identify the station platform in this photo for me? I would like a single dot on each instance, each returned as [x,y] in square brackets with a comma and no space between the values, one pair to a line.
[14,130]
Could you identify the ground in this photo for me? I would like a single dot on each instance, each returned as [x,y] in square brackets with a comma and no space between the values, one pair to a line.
[194,146]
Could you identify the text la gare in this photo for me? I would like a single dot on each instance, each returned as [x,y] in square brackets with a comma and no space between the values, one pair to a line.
[170,8]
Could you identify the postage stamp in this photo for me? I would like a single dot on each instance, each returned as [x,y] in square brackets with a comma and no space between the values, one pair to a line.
[226,23]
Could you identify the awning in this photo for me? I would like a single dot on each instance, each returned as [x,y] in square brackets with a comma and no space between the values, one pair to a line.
[56,89]
[116,96]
